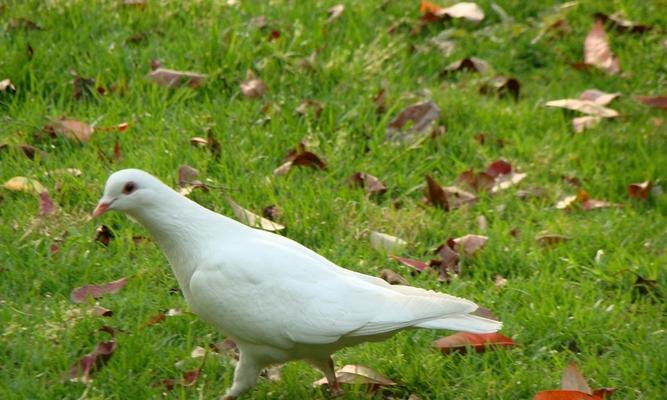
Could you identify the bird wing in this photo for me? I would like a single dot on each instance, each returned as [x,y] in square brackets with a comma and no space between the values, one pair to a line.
[270,290]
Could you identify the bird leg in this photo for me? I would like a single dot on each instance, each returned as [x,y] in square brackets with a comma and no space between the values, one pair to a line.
[327,367]
[245,377]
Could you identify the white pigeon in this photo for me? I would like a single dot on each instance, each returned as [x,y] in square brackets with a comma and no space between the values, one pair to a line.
[278,300]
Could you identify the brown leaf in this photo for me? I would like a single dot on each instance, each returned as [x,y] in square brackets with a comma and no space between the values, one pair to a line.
[473,64]
[416,264]
[81,294]
[584,106]
[23,23]
[272,212]
[392,277]
[468,11]
[187,379]
[500,281]
[480,342]
[46,204]
[335,12]
[380,101]
[310,106]
[435,194]
[564,395]
[251,219]
[23,184]
[502,85]
[616,21]
[372,184]
[228,347]
[449,263]
[80,371]
[598,96]
[640,190]
[653,101]
[550,239]
[156,319]
[172,78]
[597,51]
[71,129]
[470,244]
[299,156]
[253,87]
[210,142]
[386,243]
[583,199]
[117,152]
[101,311]
[187,180]
[498,167]
[573,380]
[359,375]
[422,117]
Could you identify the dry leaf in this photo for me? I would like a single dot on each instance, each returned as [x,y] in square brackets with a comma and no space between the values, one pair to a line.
[413,122]
[387,243]
[310,106]
[372,184]
[586,122]
[299,157]
[23,184]
[573,380]
[46,204]
[380,101]
[502,85]
[467,64]
[616,21]
[449,263]
[598,96]
[416,264]
[480,342]
[172,78]
[81,294]
[253,87]
[251,219]
[71,129]
[468,11]
[6,85]
[499,281]
[550,239]
[653,101]
[392,277]
[359,375]
[210,142]
[597,51]
[564,395]
[335,12]
[640,190]
[80,371]
[584,106]
[470,244]
[103,235]
[187,180]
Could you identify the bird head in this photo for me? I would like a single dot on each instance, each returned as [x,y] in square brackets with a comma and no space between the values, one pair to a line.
[128,190]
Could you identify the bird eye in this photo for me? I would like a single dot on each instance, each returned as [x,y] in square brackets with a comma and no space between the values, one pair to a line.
[129,187]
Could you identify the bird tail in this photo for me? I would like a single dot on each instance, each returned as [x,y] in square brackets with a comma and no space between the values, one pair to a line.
[463,322]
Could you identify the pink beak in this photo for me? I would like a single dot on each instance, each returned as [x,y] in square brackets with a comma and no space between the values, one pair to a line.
[102,207]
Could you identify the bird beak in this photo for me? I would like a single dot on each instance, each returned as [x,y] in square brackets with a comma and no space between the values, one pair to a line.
[102,206]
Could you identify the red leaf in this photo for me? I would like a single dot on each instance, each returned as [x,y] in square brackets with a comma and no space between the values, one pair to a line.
[478,341]
[564,395]
[80,371]
[435,194]
[46,205]
[421,115]
[80,294]
[372,184]
[416,264]
[653,101]
[498,167]
[640,190]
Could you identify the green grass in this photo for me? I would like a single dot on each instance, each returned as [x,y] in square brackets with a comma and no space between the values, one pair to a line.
[560,304]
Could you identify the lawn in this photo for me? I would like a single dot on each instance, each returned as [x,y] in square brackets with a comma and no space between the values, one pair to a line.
[596,299]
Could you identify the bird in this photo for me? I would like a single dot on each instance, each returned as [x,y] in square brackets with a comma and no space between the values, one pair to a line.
[278,300]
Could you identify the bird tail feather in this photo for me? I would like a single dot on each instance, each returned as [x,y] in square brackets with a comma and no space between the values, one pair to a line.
[463,322]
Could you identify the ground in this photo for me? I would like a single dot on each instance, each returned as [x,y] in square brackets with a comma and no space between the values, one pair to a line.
[561,303]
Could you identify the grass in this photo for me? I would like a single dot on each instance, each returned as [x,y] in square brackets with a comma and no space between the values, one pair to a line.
[560,304]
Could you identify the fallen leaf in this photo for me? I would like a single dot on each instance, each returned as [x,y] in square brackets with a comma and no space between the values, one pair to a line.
[583,199]
[253,87]
[272,212]
[550,239]
[209,142]
[380,101]
[29,151]
[392,277]
[500,281]
[359,375]
[251,219]
[584,106]
[598,96]
[103,235]
[172,78]
[435,194]
[162,315]
[101,311]
[573,380]
[416,264]
[80,371]
[23,184]
[6,85]
[198,352]
[313,107]
[299,157]
[481,222]
[468,11]
[580,124]
[502,85]
[413,122]
[81,294]
[449,263]
[46,204]
[640,190]
[335,12]
[470,244]
[387,243]
[23,23]
[653,101]
[371,184]
[187,379]
[480,342]
[503,182]
[616,21]
[597,51]
[467,64]
[187,180]
[497,168]
[227,347]
[71,129]
[564,395]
